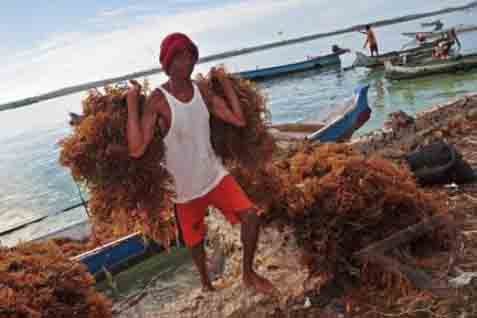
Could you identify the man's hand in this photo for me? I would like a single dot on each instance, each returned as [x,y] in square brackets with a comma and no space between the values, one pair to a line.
[217,72]
[220,75]
[134,90]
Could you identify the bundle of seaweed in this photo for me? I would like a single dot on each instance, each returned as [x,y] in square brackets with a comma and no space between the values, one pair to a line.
[132,194]
[250,146]
[38,281]
[126,193]
[340,202]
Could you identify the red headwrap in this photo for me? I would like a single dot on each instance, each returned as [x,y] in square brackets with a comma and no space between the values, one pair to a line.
[174,43]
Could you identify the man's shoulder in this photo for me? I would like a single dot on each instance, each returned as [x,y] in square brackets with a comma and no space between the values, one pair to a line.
[158,100]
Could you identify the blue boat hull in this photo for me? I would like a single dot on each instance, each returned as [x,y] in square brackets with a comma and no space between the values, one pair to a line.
[265,73]
[344,126]
[115,254]
[119,255]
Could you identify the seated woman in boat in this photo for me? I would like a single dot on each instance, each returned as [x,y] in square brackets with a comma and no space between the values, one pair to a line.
[441,50]
[420,38]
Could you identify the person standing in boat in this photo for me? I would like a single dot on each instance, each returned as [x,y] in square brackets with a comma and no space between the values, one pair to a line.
[181,109]
[370,41]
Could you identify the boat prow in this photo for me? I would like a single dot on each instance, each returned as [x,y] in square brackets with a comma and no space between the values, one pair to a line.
[362,60]
[336,126]
[343,126]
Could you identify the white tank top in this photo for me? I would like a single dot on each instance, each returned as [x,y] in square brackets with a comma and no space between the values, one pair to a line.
[190,158]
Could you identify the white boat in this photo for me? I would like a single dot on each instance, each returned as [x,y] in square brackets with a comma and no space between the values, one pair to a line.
[450,65]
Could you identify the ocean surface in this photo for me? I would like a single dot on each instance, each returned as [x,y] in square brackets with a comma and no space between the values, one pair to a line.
[32,183]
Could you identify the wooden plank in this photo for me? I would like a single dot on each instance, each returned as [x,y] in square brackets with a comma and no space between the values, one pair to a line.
[417,277]
[404,236]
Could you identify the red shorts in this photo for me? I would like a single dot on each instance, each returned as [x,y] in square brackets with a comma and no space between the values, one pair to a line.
[227,196]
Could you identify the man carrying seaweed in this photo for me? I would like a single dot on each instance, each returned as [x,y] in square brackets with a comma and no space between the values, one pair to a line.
[182,108]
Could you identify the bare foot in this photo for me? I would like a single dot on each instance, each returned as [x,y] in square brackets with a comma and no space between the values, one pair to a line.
[258,283]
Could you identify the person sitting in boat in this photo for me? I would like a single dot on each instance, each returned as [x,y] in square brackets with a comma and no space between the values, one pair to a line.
[441,50]
[180,108]
[339,50]
[420,37]
[370,41]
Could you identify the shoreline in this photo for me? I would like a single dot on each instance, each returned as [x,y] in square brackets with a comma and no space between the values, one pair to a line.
[232,53]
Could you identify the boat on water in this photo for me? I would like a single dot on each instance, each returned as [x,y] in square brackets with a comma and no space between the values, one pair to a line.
[412,54]
[438,25]
[308,64]
[436,66]
[440,33]
[335,124]
[112,257]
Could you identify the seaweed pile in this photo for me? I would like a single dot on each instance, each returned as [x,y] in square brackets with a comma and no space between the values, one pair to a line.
[38,281]
[340,202]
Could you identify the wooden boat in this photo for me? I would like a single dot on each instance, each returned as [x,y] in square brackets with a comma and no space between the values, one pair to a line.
[441,33]
[350,118]
[118,255]
[112,257]
[281,70]
[436,24]
[336,125]
[362,60]
[450,65]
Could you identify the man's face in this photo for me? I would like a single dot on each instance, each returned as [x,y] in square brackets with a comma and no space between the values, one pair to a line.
[182,65]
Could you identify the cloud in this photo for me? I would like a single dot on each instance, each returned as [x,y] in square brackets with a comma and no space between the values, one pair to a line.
[52,42]
[115,12]
[106,15]
[65,59]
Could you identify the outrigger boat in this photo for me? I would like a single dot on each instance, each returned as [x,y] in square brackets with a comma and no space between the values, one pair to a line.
[422,51]
[286,69]
[413,70]
[436,24]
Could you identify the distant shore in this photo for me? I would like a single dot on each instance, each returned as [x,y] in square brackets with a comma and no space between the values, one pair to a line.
[82,87]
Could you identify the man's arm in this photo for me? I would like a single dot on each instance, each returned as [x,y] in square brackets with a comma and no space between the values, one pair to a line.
[366,42]
[139,130]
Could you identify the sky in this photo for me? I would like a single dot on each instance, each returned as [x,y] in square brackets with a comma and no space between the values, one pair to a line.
[50,44]
[60,43]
